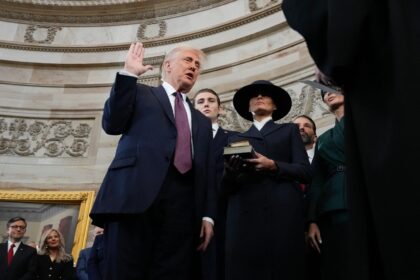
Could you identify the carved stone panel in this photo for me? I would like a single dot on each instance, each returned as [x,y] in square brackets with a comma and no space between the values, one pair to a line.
[152,30]
[22,137]
[41,34]
[255,5]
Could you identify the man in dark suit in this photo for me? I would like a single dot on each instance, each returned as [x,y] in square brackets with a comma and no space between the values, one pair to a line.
[307,129]
[96,260]
[84,255]
[155,202]
[207,101]
[371,49]
[17,260]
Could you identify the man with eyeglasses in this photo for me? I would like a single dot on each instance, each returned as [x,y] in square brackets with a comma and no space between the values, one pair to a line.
[17,260]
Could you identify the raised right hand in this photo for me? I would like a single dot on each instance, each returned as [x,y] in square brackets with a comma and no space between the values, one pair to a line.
[134,60]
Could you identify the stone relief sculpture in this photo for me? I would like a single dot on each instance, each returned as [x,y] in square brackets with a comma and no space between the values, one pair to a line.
[48,31]
[254,5]
[44,138]
[141,31]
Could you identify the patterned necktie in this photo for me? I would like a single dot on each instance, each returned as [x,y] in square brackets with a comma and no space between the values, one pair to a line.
[10,254]
[182,160]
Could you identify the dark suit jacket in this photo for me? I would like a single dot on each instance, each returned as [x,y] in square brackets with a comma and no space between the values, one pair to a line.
[144,117]
[219,142]
[46,269]
[23,265]
[328,191]
[82,263]
[213,258]
[95,262]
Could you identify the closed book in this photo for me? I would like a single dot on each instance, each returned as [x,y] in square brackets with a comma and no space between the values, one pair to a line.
[242,151]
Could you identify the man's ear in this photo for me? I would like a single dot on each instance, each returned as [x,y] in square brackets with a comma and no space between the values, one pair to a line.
[167,66]
[314,138]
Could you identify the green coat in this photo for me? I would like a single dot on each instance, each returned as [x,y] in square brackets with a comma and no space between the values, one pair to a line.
[327,192]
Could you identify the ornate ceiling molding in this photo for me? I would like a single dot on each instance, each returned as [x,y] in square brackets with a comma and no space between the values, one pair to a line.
[149,42]
[74,12]
[66,3]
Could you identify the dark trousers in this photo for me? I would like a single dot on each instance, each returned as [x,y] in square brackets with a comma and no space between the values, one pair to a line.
[334,228]
[159,243]
[312,263]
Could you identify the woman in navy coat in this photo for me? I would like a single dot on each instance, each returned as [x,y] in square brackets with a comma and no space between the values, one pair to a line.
[265,218]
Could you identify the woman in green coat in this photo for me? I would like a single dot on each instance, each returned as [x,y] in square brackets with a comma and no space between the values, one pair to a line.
[327,195]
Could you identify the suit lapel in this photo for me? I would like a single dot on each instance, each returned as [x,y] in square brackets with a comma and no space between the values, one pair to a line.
[269,127]
[253,132]
[163,99]
[19,253]
[194,120]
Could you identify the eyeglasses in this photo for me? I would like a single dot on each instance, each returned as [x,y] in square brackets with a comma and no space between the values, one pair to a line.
[18,227]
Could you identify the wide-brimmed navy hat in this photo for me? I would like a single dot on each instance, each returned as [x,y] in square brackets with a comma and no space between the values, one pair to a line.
[280,97]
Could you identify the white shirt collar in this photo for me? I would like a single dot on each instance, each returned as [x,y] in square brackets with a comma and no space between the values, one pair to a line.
[9,243]
[311,153]
[215,127]
[170,90]
[259,124]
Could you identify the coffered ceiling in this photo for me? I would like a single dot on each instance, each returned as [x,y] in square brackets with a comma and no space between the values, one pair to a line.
[97,12]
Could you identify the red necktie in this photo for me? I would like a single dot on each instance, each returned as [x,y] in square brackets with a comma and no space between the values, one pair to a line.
[182,160]
[10,254]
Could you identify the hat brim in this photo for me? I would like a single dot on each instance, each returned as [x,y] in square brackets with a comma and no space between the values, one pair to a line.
[280,97]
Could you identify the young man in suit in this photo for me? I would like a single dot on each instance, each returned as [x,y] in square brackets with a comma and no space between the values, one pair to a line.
[17,260]
[155,202]
[207,101]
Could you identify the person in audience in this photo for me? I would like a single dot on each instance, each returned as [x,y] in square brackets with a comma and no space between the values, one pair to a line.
[207,101]
[155,203]
[53,262]
[327,196]
[33,244]
[265,216]
[82,260]
[95,261]
[17,260]
[307,129]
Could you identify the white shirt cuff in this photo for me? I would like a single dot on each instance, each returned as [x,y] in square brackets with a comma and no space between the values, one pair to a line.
[208,219]
[126,73]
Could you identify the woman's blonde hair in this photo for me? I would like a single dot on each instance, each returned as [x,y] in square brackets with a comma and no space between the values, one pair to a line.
[44,250]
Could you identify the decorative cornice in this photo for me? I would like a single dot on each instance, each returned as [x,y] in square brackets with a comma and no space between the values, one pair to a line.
[98,11]
[72,3]
[154,79]
[45,196]
[149,42]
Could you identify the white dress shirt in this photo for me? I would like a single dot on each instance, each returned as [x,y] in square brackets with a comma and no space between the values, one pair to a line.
[311,153]
[259,124]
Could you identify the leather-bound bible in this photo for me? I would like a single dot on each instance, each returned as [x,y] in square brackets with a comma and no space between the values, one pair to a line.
[241,148]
